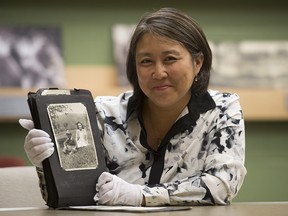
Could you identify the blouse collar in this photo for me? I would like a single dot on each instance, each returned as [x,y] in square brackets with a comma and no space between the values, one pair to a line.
[196,105]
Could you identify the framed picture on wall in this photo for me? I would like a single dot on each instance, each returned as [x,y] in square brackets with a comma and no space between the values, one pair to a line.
[31,57]
[250,64]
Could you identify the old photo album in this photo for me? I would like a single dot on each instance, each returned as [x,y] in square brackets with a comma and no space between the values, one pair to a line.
[69,117]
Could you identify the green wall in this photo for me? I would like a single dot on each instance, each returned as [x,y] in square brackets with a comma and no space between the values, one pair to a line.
[86,29]
[86,24]
[266,162]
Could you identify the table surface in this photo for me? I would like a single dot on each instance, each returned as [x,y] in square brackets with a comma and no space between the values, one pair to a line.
[235,209]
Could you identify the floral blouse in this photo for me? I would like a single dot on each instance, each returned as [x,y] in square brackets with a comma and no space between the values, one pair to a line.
[199,162]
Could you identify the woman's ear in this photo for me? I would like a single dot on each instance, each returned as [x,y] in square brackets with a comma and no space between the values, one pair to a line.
[198,63]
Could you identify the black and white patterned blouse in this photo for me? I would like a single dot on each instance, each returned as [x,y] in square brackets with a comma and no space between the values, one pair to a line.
[199,162]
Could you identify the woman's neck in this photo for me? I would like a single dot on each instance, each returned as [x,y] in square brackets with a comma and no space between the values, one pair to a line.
[158,121]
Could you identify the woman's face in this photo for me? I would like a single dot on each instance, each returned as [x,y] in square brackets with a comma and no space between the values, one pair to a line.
[79,125]
[165,70]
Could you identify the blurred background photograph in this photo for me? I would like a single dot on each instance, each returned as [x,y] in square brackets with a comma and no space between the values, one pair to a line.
[31,57]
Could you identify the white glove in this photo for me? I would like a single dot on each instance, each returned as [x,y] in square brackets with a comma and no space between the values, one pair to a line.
[112,190]
[38,145]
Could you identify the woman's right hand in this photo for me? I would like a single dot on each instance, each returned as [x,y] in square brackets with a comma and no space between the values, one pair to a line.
[38,145]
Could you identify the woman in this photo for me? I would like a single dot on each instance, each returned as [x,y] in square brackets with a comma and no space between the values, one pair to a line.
[81,135]
[170,141]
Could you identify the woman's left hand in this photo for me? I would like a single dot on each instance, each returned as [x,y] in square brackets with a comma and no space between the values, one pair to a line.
[112,190]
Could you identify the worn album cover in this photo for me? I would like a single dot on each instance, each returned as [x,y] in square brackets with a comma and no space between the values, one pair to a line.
[69,117]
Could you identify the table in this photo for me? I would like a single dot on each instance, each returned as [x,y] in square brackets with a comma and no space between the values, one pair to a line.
[235,209]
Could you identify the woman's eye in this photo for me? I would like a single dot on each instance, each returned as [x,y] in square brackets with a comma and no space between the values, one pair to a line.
[170,59]
[145,61]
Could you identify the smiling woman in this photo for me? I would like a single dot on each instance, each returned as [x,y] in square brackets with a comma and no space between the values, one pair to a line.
[170,141]
[165,73]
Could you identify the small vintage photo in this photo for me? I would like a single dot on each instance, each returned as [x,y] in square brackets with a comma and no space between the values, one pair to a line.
[73,136]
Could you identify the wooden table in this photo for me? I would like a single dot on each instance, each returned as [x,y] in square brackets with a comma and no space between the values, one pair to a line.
[236,209]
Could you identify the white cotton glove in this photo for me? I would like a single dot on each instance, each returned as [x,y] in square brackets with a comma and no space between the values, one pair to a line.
[38,145]
[112,190]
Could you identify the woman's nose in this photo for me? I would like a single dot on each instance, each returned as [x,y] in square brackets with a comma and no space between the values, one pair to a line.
[160,71]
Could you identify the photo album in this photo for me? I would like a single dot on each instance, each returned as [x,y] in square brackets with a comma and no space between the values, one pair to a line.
[69,117]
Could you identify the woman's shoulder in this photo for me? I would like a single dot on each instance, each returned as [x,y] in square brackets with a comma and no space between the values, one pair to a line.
[227,104]
[221,97]
[113,105]
[122,97]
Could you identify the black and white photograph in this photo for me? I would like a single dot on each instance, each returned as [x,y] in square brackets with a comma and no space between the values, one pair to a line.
[31,57]
[250,64]
[73,136]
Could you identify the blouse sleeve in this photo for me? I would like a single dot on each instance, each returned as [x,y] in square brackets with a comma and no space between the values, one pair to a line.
[223,172]
[42,184]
